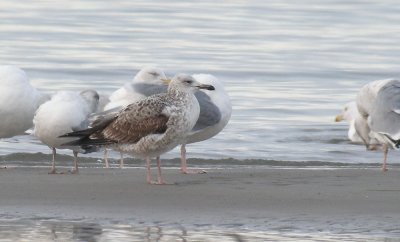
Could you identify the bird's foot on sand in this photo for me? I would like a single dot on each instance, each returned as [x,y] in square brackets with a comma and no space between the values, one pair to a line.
[384,169]
[187,171]
[73,171]
[54,172]
[160,183]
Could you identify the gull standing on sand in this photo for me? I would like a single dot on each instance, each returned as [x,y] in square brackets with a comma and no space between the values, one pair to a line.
[215,112]
[18,101]
[151,126]
[366,99]
[65,112]
[215,106]
[145,83]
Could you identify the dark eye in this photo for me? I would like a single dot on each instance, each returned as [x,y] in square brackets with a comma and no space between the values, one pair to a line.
[188,81]
[153,73]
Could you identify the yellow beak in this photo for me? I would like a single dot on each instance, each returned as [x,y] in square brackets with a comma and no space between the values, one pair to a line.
[166,81]
[339,118]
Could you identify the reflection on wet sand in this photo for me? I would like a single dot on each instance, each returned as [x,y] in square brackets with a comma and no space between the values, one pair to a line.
[58,230]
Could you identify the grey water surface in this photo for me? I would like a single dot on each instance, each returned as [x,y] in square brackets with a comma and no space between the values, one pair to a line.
[288,66]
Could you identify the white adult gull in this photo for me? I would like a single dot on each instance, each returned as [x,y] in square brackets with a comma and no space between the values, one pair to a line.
[366,99]
[65,112]
[215,112]
[384,118]
[145,83]
[151,126]
[18,101]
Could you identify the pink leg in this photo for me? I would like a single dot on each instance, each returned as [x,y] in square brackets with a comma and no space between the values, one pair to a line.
[184,168]
[106,158]
[183,159]
[75,169]
[121,162]
[148,171]
[385,153]
[53,163]
[160,180]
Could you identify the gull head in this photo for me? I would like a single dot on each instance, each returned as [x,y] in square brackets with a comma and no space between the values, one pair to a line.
[92,99]
[150,75]
[187,83]
[349,113]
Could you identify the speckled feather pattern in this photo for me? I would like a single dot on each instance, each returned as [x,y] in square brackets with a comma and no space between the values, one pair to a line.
[153,125]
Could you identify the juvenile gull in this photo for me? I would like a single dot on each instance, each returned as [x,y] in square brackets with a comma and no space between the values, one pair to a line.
[145,83]
[215,106]
[151,126]
[65,112]
[18,101]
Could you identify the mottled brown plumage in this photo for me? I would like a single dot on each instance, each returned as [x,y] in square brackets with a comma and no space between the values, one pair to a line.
[150,127]
[137,121]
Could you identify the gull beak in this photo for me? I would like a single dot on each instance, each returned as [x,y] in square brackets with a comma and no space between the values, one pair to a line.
[339,118]
[207,87]
[166,81]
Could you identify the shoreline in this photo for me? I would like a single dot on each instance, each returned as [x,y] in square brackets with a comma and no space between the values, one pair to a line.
[340,200]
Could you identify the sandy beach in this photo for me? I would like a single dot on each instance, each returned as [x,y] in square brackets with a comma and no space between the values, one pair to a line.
[343,200]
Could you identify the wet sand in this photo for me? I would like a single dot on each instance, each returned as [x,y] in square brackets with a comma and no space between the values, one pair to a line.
[343,200]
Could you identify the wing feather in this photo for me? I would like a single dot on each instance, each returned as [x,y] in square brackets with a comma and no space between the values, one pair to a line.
[136,121]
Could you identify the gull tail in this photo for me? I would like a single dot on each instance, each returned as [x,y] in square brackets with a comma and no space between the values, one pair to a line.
[87,143]
[91,137]
[79,133]
[395,143]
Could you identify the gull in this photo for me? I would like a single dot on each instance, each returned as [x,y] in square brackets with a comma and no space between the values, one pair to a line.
[150,127]
[384,119]
[65,112]
[215,106]
[365,100]
[18,101]
[215,112]
[145,83]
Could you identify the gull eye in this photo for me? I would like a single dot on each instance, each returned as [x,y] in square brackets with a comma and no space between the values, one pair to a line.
[188,81]
[153,73]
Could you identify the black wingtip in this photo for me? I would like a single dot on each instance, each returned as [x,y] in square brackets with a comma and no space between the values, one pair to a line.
[88,143]
[79,133]
[72,143]
[396,143]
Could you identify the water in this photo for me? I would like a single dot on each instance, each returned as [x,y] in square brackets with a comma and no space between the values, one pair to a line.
[288,66]
[51,229]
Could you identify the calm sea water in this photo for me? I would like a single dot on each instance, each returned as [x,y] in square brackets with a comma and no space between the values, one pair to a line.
[51,229]
[288,66]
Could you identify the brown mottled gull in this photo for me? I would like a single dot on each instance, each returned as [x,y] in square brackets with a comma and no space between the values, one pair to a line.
[151,126]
